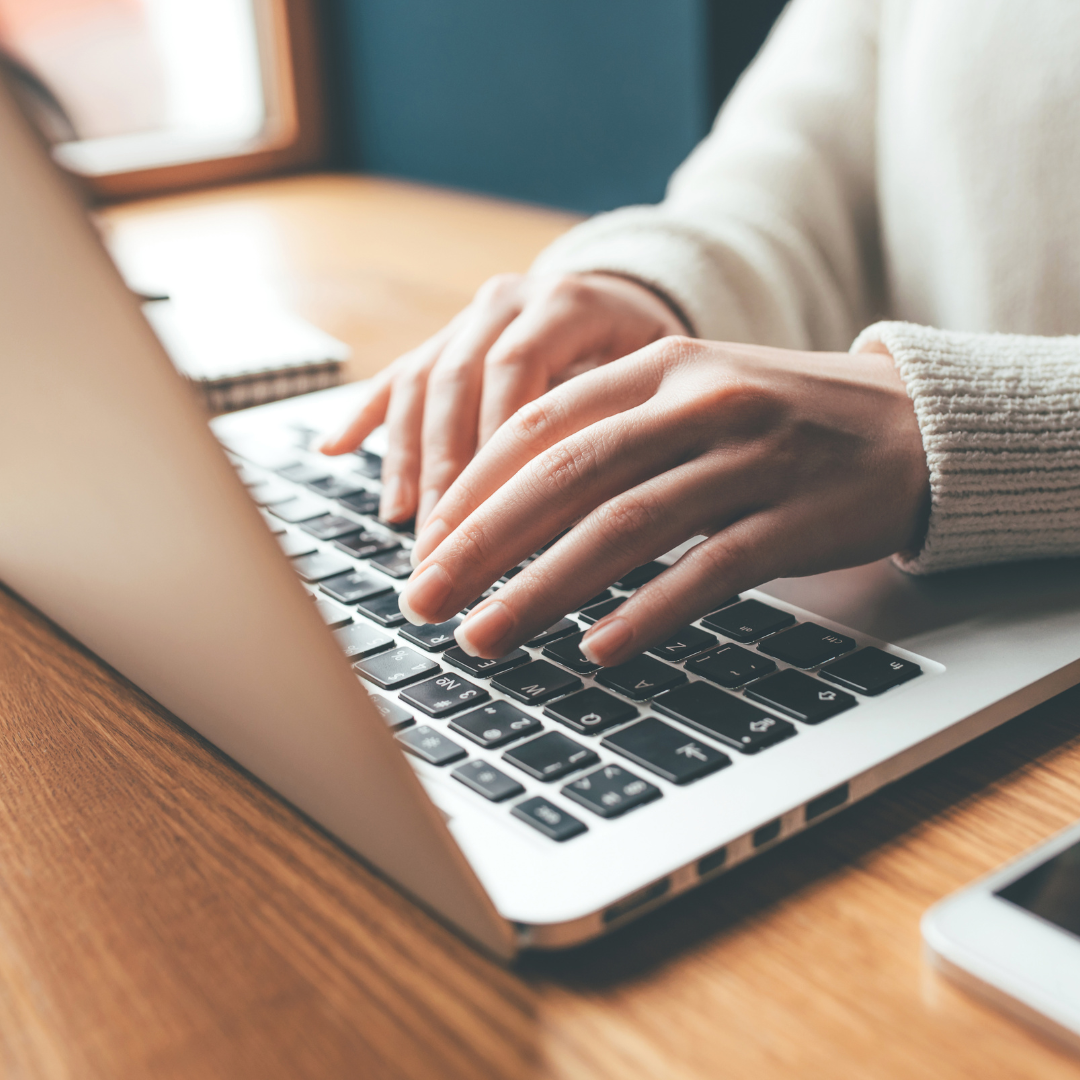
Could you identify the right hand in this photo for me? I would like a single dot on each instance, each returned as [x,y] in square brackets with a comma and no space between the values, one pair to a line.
[518,338]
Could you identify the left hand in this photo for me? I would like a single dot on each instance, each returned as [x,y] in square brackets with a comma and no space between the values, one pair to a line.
[789,463]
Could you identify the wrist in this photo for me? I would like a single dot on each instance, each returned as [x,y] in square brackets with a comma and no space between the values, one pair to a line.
[678,321]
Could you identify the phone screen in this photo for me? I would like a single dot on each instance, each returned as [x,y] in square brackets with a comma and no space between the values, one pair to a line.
[1051,891]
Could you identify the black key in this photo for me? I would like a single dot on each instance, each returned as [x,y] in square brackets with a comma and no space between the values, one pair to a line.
[363,502]
[382,609]
[432,636]
[354,586]
[321,565]
[395,716]
[360,641]
[554,823]
[689,641]
[443,695]
[748,620]
[591,711]
[496,723]
[329,526]
[566,652]
[731,666]
[611,791]
[337,487]
[299,509]
[394,563]
[553,633]
[393,669]
[724,717]
[333,615]
[362,545]
[800,696]
[807,645]
[637,577]
[536,682]
[597,611]
[294,544]
[488,781]
[402,528]
[299,473]
[666,751]
[430,745]
[641,678]
[550,756]
[480,599]
[871,671]
[515,570]
[599,598]
[481,666]
[368,464]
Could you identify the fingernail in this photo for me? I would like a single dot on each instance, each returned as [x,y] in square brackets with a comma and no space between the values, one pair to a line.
[428,539]
[424,594]
[427,504]
[603,642]
[482,631]
[392,503]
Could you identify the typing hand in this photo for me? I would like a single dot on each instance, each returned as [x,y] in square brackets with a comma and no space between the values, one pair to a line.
[789,463]
[519,337]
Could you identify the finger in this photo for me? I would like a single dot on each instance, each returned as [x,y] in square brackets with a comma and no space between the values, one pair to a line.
[370,415]
[401,461]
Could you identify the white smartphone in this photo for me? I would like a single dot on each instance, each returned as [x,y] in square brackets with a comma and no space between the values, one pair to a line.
[1013,937]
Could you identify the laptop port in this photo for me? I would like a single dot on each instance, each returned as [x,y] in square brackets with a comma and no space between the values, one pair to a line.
[767,833]
[636,900]
[829,801]
[708,863]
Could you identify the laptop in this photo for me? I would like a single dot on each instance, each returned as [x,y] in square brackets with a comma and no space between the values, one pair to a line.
[531,803]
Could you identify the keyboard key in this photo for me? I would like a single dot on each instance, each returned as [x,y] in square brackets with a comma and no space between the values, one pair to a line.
[363,502]
[338,487]
[271,493]
[443,695]
[637,577]
[730,719]
[666,751]
[359,641]
[599,598]
[333,615]
[748,621]
[354,586]
[536,682]
[689,641]
[550,756]
[382,609]
[321,565]
[553,633]
[430,745]
[395,716]
[807,645]
[591,711]
[554,823]
[481,598]
[488,781]
[301,473]
[402,528]
[362,545]
[871,671]
[275,526]
[597,611]
[299,509]
[641,678]
[481,666]
[566,652]
[329,526]
[800,696]
[390,670]
[368,464]
[294,544]
[432,636]
[496,723]
[731,666]
[394,563]
[611,791]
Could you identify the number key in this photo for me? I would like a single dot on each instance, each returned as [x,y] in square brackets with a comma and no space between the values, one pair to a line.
[444,694]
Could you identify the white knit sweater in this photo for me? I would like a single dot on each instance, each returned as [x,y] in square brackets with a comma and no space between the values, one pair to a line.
[911,160]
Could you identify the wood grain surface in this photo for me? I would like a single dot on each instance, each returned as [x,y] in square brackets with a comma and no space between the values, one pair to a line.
[163,914]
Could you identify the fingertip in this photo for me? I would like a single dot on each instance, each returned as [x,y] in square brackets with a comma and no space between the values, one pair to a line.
[607,641]
[429,538]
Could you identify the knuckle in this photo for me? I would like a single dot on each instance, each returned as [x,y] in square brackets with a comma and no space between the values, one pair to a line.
[499,289]
[517,354]
[628,516]
[530,423]
[566,465]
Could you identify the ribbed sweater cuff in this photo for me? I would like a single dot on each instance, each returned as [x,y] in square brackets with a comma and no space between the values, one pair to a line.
[1000,422]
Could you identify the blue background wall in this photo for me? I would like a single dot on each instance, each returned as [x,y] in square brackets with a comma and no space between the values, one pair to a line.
[584,104]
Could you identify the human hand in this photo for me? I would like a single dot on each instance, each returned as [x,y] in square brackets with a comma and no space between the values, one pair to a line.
[789,463]
[519,337]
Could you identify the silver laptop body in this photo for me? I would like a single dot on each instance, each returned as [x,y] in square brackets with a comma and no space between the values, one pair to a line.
[124,521]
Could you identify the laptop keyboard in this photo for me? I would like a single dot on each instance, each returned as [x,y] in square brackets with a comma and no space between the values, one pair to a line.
[554,742]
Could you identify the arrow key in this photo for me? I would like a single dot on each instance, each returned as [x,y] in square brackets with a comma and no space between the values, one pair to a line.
[801,696]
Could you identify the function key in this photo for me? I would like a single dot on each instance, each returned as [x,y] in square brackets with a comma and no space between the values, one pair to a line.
[611,791]
[554,823]
[395,716]
[360,641]
[320,565]
[731,666]
[591,711]
[363,502]
[329,526]
[550,756]
[807,645]
[362,545]
[496,723]
[382,609]
[800,696]
[394,563]
[443,695]
[536,682]
[354,586]
[488,781]
[566,652]
[337,487]
[641,678]
[432,636]
[481,666]
[748,620]
[430,745]
[724,717]
[871,671]
[392,669]
[294,544]
[689,641]
[637,577]
[332,615]
[595,612]
[299,509]
[553,632]
[666,751]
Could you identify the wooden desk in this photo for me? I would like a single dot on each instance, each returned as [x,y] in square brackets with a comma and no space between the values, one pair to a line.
[164,915]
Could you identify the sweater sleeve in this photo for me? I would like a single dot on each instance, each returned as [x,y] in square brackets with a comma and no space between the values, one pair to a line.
[768,233]
[1000,422]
